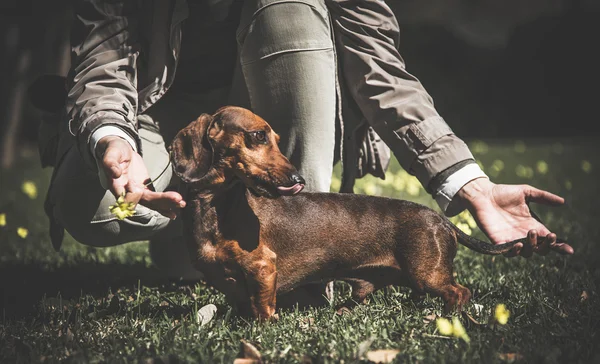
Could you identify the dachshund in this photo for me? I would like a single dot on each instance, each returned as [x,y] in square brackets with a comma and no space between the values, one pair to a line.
[255,237]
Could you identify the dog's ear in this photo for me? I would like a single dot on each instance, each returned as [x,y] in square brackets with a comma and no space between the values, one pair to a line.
[191,152]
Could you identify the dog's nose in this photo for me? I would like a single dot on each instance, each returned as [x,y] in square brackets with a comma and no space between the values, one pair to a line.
[296,178]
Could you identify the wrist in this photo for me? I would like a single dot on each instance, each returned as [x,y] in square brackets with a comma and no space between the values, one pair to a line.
[103,144]
[475,190]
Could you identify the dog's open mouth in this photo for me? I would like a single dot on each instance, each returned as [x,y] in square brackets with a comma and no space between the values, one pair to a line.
[291,190]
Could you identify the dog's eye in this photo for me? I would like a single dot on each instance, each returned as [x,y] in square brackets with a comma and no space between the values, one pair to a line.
[260,136]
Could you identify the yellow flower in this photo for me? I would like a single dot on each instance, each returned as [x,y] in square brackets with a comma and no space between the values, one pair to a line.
[22,232]
[30,189]
[454,328]
[520,146]
[568,185]
[122,209]
[3,219]
[542,167]
[444,326]
[459,331]
[502,314]
[586,166]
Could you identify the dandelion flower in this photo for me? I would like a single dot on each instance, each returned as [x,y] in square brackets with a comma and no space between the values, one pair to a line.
[122,209]
[454,328]
[542,167]
[22,232]
[3,219]
[444,326]
[520,146]
[459,331]
[30,189]
[502,314]
[586,166]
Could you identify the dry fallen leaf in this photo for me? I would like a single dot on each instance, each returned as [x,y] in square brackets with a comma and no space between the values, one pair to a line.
[471,318]
[510,357]
[343,310]
[206,313]
[248,354]
[382,356]
[246,361]
[429,319]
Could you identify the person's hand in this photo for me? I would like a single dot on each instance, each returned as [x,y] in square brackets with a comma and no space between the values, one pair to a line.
[126,172]
[503,214]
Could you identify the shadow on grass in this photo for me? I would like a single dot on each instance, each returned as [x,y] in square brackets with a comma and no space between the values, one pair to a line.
[24,286]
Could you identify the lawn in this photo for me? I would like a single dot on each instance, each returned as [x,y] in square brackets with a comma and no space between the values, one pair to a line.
[111,305]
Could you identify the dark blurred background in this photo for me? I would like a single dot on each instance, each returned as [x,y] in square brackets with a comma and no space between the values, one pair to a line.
[496,69]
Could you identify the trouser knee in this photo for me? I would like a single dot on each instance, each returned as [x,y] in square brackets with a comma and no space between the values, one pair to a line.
[288,66]
[78,203]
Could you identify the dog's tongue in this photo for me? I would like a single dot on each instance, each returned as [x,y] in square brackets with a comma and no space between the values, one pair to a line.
[292,190]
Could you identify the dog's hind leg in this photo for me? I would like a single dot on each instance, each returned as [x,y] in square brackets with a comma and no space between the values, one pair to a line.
[453,294]
[360,290]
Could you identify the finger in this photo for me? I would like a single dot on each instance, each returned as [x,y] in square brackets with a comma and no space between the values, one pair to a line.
[544,197]
[117,187]
[134,192]
[562,248]
[111,163]
[516,250]
[528,248]
[544,246]
[166,203]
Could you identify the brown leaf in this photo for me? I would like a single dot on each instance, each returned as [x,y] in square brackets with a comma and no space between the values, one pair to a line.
[382,356]
[343,310]
[429,318]
[306,359]
[584,296]
[471,318]
[510,357]
[249,351]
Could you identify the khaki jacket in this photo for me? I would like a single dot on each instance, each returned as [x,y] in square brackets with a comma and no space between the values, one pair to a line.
[124,58]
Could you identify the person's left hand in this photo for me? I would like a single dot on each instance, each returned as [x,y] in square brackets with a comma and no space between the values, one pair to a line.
[503,214]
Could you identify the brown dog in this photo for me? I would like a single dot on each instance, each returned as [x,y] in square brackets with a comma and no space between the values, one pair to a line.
[253,241]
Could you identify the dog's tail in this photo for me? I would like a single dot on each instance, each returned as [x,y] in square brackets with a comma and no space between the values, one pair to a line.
[485,247]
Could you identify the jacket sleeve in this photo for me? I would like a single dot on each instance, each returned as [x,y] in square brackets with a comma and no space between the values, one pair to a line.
[392,100]
[103,75]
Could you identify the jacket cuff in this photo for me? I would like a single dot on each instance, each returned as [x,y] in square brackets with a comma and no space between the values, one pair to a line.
[446,152]
[430,147]
[99,120]
[445,194]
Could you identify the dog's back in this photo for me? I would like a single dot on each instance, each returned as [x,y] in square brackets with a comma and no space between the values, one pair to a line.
[319,236]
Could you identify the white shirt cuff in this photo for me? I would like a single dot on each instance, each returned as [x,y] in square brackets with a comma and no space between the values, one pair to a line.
[453,184]
[109,130]
[101,132]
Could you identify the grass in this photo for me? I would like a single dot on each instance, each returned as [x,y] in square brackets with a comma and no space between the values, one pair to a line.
[111,305]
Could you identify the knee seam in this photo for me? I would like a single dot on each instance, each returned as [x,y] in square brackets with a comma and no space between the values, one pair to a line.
[295,50]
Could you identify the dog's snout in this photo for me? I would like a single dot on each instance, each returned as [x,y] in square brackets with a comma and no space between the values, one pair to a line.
[296,178]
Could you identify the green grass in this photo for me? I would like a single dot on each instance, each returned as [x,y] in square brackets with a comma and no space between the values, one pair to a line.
[111,305]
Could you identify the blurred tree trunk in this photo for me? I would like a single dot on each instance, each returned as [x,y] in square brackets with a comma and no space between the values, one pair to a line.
[27,57]
[16,96]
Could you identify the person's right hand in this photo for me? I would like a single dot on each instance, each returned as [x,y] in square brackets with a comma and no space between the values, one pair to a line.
[126,172]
